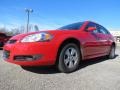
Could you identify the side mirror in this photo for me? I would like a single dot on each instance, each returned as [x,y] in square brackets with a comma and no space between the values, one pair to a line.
[91,28]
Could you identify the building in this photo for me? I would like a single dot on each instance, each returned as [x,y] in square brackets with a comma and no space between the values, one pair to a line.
[116,34]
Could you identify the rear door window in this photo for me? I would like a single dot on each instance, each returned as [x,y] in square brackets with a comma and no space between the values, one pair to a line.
[103,30]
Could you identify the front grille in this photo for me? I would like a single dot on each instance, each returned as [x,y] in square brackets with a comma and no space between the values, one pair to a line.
[6,54]
[11,41]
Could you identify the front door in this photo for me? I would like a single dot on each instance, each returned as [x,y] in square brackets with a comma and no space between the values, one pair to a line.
[92,42]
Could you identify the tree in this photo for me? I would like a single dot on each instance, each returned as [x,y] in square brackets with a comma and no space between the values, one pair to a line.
[36,28]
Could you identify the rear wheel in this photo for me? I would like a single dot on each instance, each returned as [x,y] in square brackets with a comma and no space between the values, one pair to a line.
[112,52]
[69,58]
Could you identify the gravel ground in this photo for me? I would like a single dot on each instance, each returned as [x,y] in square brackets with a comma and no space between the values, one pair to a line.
[101,74]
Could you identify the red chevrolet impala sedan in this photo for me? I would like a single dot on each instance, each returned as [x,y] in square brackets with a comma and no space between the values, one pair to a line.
[64,47]
[3,39]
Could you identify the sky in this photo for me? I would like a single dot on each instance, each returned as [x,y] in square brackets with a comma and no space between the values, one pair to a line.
[50,14]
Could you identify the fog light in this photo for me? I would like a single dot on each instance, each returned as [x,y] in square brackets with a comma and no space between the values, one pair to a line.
[27,57]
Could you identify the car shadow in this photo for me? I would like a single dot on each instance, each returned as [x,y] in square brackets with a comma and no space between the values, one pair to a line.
[53,70]
[89,62]
[42,69]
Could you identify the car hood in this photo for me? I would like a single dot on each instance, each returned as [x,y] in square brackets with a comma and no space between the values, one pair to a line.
[53,32]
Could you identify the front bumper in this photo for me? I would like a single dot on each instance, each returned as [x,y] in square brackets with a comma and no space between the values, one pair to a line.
[30,54]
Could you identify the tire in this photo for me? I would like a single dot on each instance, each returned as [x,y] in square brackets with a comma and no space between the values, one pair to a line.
[112,52]
[1,44]
[69,58]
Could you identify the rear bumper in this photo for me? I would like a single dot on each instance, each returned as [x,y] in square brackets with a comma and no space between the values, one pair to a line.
[46,51]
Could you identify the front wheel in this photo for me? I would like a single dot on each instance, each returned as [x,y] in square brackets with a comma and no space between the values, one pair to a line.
[112,52]
[69,58]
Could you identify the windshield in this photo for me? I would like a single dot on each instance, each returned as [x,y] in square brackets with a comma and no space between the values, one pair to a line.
[74,26]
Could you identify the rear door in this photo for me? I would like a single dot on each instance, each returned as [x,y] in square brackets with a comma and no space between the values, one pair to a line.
[104,37]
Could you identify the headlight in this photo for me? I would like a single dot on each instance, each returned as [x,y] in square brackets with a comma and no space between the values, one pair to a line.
[37,37]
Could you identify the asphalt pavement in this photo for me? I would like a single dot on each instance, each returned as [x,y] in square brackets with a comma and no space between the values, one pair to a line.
[96,74]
